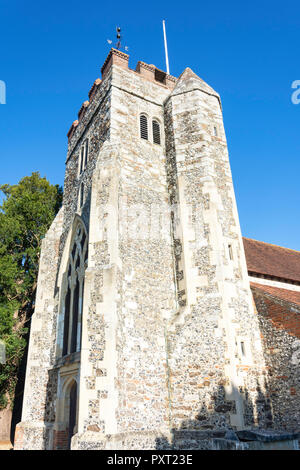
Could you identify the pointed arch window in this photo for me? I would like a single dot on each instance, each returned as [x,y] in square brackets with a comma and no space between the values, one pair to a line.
[144,126]
[73,300]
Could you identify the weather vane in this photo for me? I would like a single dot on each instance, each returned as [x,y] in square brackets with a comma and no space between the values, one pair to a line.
[119,37]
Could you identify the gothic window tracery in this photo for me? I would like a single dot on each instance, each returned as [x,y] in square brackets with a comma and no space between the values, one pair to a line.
[73,298]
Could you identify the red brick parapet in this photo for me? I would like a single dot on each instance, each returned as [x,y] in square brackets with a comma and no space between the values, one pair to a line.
[94,88]
[145,70]
[119,58]
[153,74]
[83,109]
[115,57]
[72,129]
[171,81]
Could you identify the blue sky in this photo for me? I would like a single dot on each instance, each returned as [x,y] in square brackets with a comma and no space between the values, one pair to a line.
[51,52]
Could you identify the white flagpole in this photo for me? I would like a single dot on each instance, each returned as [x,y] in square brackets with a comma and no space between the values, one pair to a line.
[166,48]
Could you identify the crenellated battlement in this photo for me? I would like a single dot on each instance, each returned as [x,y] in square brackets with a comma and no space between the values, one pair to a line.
[120,59]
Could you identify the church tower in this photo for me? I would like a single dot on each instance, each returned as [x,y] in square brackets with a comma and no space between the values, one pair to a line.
[144,334]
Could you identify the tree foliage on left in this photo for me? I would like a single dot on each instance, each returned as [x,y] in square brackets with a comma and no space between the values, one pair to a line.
[26,213]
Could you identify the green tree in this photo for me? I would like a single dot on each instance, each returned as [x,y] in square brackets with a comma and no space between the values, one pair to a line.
[26,214]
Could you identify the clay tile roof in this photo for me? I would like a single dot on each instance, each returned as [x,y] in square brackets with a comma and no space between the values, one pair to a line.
[281,306]
[282,294]
[272,260]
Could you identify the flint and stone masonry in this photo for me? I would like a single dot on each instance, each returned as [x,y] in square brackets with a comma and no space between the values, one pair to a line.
[167,350]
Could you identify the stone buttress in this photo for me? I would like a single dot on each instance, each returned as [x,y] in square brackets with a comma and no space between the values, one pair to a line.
[215,355]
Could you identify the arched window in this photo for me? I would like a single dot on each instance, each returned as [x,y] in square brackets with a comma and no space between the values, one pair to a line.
[143,127]
[73,300]
[156,132]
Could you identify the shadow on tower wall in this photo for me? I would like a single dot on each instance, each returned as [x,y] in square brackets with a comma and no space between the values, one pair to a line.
[211,425]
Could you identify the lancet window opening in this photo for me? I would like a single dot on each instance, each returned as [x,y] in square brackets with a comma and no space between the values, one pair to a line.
[84,151]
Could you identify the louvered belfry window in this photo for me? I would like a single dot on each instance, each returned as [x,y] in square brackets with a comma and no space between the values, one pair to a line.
[156,132]
[144,126]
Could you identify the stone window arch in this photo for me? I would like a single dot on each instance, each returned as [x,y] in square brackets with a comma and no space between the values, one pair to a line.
[74,289]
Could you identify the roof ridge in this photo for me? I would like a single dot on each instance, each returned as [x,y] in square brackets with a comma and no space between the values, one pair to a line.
[272,244]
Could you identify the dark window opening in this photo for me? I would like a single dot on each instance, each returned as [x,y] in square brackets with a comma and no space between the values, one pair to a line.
[77,264]
[86,152]
[81,159]
[82,241]
[81,195]
[144,127]
[66,322]
[160,76]
[75,317]
[72,413]
[156,132]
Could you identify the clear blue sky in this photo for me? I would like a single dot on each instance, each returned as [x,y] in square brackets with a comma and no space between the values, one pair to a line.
[51,52]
